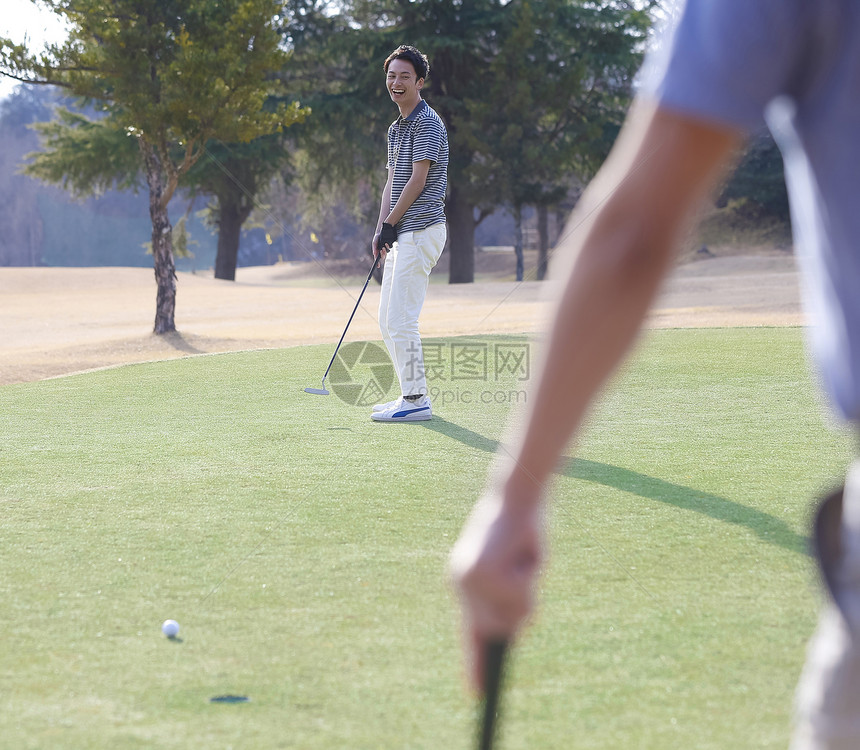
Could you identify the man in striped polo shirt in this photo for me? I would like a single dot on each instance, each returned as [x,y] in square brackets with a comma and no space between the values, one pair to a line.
[411,230]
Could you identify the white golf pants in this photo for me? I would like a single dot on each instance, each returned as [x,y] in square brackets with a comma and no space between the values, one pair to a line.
[404,287]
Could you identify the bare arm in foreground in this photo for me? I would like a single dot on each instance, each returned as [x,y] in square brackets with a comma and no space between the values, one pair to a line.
[619,245]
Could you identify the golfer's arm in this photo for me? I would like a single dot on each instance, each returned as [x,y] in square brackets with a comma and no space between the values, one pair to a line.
[411,190]
[619,243]
[385,204]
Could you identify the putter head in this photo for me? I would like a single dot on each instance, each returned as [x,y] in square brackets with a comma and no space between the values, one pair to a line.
[317,391]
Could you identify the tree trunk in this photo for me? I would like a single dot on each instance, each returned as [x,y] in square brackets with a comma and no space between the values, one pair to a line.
[231,216]
[518,240]
[543,241]
[461,239]
[162,243]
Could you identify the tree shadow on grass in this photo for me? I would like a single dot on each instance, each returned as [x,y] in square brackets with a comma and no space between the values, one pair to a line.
[180,343]
[765,526]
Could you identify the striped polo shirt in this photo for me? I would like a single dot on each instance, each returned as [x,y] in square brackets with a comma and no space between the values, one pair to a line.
[420,136]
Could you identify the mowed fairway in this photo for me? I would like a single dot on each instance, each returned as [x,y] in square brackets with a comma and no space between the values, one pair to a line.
[302,548]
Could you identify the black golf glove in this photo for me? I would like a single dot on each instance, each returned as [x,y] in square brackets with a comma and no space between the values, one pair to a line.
[387,236]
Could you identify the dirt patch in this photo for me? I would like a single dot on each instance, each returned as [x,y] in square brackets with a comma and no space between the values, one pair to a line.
[63,320]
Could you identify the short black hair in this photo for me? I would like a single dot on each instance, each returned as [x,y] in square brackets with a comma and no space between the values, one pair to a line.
[407,52]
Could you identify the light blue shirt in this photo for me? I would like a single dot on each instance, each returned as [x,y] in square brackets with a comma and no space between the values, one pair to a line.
[794,64]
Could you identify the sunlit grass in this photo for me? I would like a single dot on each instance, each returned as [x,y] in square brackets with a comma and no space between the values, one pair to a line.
[302,548]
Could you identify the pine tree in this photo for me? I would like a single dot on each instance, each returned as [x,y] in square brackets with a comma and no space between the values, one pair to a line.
[166,76]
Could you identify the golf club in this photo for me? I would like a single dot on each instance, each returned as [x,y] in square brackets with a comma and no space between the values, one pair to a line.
[323,391]
[493,662]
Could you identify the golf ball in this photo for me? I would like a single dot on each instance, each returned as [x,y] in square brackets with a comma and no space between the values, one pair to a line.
[170,628]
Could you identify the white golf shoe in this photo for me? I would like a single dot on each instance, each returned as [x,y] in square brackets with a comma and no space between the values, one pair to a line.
[383,407]
[404,410]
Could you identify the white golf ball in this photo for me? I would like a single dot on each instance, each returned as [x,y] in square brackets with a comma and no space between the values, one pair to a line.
[170,628]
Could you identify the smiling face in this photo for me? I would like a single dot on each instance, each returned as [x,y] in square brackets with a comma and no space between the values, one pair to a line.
[403,85]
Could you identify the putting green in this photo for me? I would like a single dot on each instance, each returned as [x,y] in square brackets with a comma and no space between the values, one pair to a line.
[302,549]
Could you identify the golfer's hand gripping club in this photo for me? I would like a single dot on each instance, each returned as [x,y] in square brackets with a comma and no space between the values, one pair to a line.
[387,237]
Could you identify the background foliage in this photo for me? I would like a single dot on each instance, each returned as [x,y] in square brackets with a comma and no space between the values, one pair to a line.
[533,94]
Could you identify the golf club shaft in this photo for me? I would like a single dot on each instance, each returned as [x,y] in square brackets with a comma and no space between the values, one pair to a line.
[493,662]
[357,303]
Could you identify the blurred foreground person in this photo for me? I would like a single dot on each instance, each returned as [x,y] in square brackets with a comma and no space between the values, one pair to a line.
[725,68]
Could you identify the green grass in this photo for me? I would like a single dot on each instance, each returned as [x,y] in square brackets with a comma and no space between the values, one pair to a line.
[302,548]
